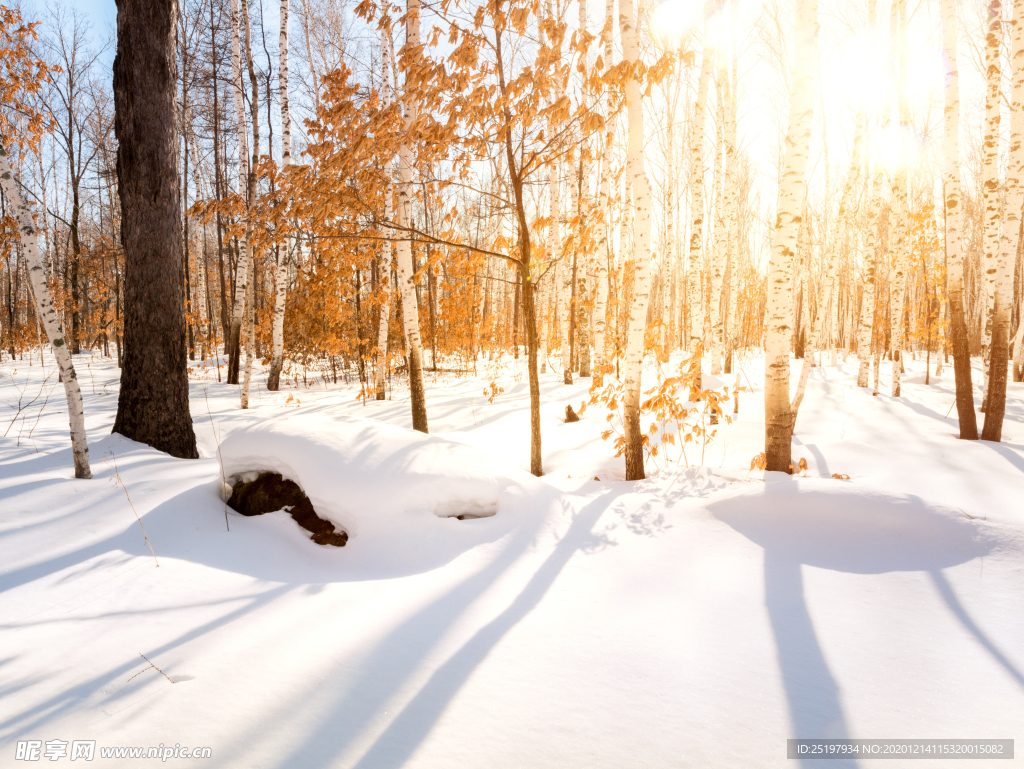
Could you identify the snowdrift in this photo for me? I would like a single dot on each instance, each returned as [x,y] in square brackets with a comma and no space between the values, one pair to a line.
[382,484]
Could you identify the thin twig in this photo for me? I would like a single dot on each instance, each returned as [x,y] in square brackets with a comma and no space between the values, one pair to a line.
[151,665]
[116,477]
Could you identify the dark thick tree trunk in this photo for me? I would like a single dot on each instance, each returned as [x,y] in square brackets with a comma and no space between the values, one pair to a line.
[153,403]
[997,371]
[962,371]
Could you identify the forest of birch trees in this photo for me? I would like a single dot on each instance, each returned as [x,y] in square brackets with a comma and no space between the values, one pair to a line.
[371,192]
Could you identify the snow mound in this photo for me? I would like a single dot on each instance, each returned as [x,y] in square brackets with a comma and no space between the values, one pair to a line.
[380,482]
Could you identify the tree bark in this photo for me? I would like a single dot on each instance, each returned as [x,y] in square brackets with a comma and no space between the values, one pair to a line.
[281,277]
[867,310]
[152,405]
[993,429]
[991,192]
[242,268]
[605,243]
[47,314]
[720,252]
[634,357]
[900,196]
[388,98]
[696,251]
[250,204]
[406,276]
[780,416]
[953,224]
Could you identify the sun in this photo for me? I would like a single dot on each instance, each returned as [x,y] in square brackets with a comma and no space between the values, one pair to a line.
[673,20]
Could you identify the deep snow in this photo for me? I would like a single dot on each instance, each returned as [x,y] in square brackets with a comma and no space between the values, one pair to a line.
[696,619]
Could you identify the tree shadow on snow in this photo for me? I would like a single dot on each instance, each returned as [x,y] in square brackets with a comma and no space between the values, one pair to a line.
[33,719]
[857,532]
[379,682]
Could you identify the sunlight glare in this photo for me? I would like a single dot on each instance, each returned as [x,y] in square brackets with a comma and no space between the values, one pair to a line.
[897,147]
[673,20]
[861,75]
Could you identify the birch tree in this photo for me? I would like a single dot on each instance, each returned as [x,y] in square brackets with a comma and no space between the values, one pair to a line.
[720,250]
[696,250]
[250,204]
[991,192]
[281,278]
[387,60]
[242,270]
[406,276]
[993,429]
[44,305]
[604,255]
[780,414]
[637,173]
[953,208]
[901,205]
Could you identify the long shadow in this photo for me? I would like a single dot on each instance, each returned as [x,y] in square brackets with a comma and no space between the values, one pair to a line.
[950,597]
[367,696]
[920,408]
[812,694]
[408,730]
[1006,453]
[846,530]
[819,458]
[34,718]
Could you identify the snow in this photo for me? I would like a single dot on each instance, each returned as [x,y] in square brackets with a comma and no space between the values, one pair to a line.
[695,619]
[397,493]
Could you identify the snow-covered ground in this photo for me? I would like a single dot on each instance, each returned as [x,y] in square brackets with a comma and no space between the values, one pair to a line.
[696,619]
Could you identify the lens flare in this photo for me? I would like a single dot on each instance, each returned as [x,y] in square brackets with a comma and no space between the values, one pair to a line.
[673,20]
[898,147]
[860,74]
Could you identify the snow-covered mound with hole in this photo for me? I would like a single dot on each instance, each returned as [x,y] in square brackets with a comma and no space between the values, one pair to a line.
[376,480]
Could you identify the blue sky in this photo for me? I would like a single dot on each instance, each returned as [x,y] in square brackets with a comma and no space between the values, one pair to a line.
[102,12]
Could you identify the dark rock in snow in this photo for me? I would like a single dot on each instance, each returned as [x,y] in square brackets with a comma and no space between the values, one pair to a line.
[570,415]
[271,492]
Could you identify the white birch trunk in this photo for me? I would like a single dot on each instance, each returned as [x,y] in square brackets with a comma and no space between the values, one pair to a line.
[1003,298]
[991,195]
[901,201]
[696,250]
[732,220]
[281,273]
[242,270]
[47,313]
[406,276]
[634,356]
[719,253]
[603,254]
[387,55]
[780,416]
[867,313]
[250,293]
